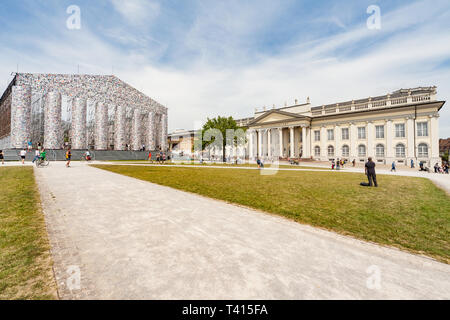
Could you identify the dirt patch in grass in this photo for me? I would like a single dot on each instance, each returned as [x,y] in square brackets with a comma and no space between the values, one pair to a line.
[25,259]
[403,212]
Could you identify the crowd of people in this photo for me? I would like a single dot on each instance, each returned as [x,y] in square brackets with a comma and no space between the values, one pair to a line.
[161,157]
[441,168]
[338,164]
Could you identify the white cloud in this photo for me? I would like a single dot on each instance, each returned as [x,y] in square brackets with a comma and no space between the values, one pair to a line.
[416,41]
[137,12]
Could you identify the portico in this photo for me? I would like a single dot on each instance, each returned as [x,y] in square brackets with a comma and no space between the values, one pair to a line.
[402,126]
[279,135]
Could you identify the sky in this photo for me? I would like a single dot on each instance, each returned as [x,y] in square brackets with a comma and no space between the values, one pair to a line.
[205,58]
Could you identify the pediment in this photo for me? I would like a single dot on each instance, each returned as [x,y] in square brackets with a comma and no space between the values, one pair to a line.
[275,116]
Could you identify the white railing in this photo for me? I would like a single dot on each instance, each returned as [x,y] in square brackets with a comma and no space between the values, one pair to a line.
[375,104]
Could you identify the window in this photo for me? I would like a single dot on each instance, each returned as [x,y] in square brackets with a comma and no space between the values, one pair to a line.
[380,151]
[361,132]
[317,151]
[317,135]
[422,129]
[423,150]
[330,134]
[330,151]
[361,150]
[379,131]
[345,151]
[400,151]
[400,130]
[345,134]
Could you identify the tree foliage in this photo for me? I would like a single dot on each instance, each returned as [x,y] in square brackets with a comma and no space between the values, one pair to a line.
[215,129]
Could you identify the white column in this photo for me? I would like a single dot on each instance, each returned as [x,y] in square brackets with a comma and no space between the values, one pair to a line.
[269,143]
[52,128]
[434,136]
[292,143]
[410,137]
[389,147]
[353,141]
[280,137]
[308,142]
[370,139]
[20,116]
[163,141]
[151,145]
[304,142]
[260,144]
[136,130]
[119,128]
[79,108]
[323,143]
[337,139]
[250,145]
[101,126]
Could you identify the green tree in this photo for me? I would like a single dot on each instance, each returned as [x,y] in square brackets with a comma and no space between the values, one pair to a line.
[214,132]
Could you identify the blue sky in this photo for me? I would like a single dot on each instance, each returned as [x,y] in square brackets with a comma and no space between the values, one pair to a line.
[209,58]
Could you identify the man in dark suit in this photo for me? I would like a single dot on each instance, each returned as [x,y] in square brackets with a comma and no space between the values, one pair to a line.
[370,172]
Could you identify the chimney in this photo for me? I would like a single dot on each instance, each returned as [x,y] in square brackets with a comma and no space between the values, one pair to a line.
[308,101]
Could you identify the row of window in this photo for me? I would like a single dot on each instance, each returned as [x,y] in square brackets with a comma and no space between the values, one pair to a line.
[400,151]
[422,131]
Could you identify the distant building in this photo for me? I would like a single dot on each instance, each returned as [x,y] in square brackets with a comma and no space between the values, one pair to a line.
[84,111]
[401,126]
[181,142]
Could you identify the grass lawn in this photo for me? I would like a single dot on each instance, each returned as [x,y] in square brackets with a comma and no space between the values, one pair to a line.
[247,165]
[25,260]
[404,212]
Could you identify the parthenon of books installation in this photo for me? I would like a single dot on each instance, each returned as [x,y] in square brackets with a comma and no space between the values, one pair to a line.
[85,111]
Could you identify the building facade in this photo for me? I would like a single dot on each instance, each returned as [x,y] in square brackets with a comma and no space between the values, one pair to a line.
[401,126]
[84,111]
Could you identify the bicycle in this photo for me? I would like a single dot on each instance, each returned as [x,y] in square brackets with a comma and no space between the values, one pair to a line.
[42,163]
[86,158]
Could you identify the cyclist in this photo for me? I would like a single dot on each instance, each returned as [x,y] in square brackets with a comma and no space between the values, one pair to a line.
[43,154]
[87,155]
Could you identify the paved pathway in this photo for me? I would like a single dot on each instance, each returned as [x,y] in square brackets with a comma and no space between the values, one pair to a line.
[132,239]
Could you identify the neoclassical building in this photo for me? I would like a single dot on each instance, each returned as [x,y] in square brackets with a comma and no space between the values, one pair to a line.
[401,126]
[85,111]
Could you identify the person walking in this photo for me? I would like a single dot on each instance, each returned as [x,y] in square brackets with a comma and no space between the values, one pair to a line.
[370,172]
[412,163]
[68,157]
[150,156]
[436,168]
[393,167]
[2,157]
[354,162]
[23,154]
[30,145]
[37,154]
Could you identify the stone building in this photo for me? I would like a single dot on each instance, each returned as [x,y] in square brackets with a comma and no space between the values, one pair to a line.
[401,126]
[84,111]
